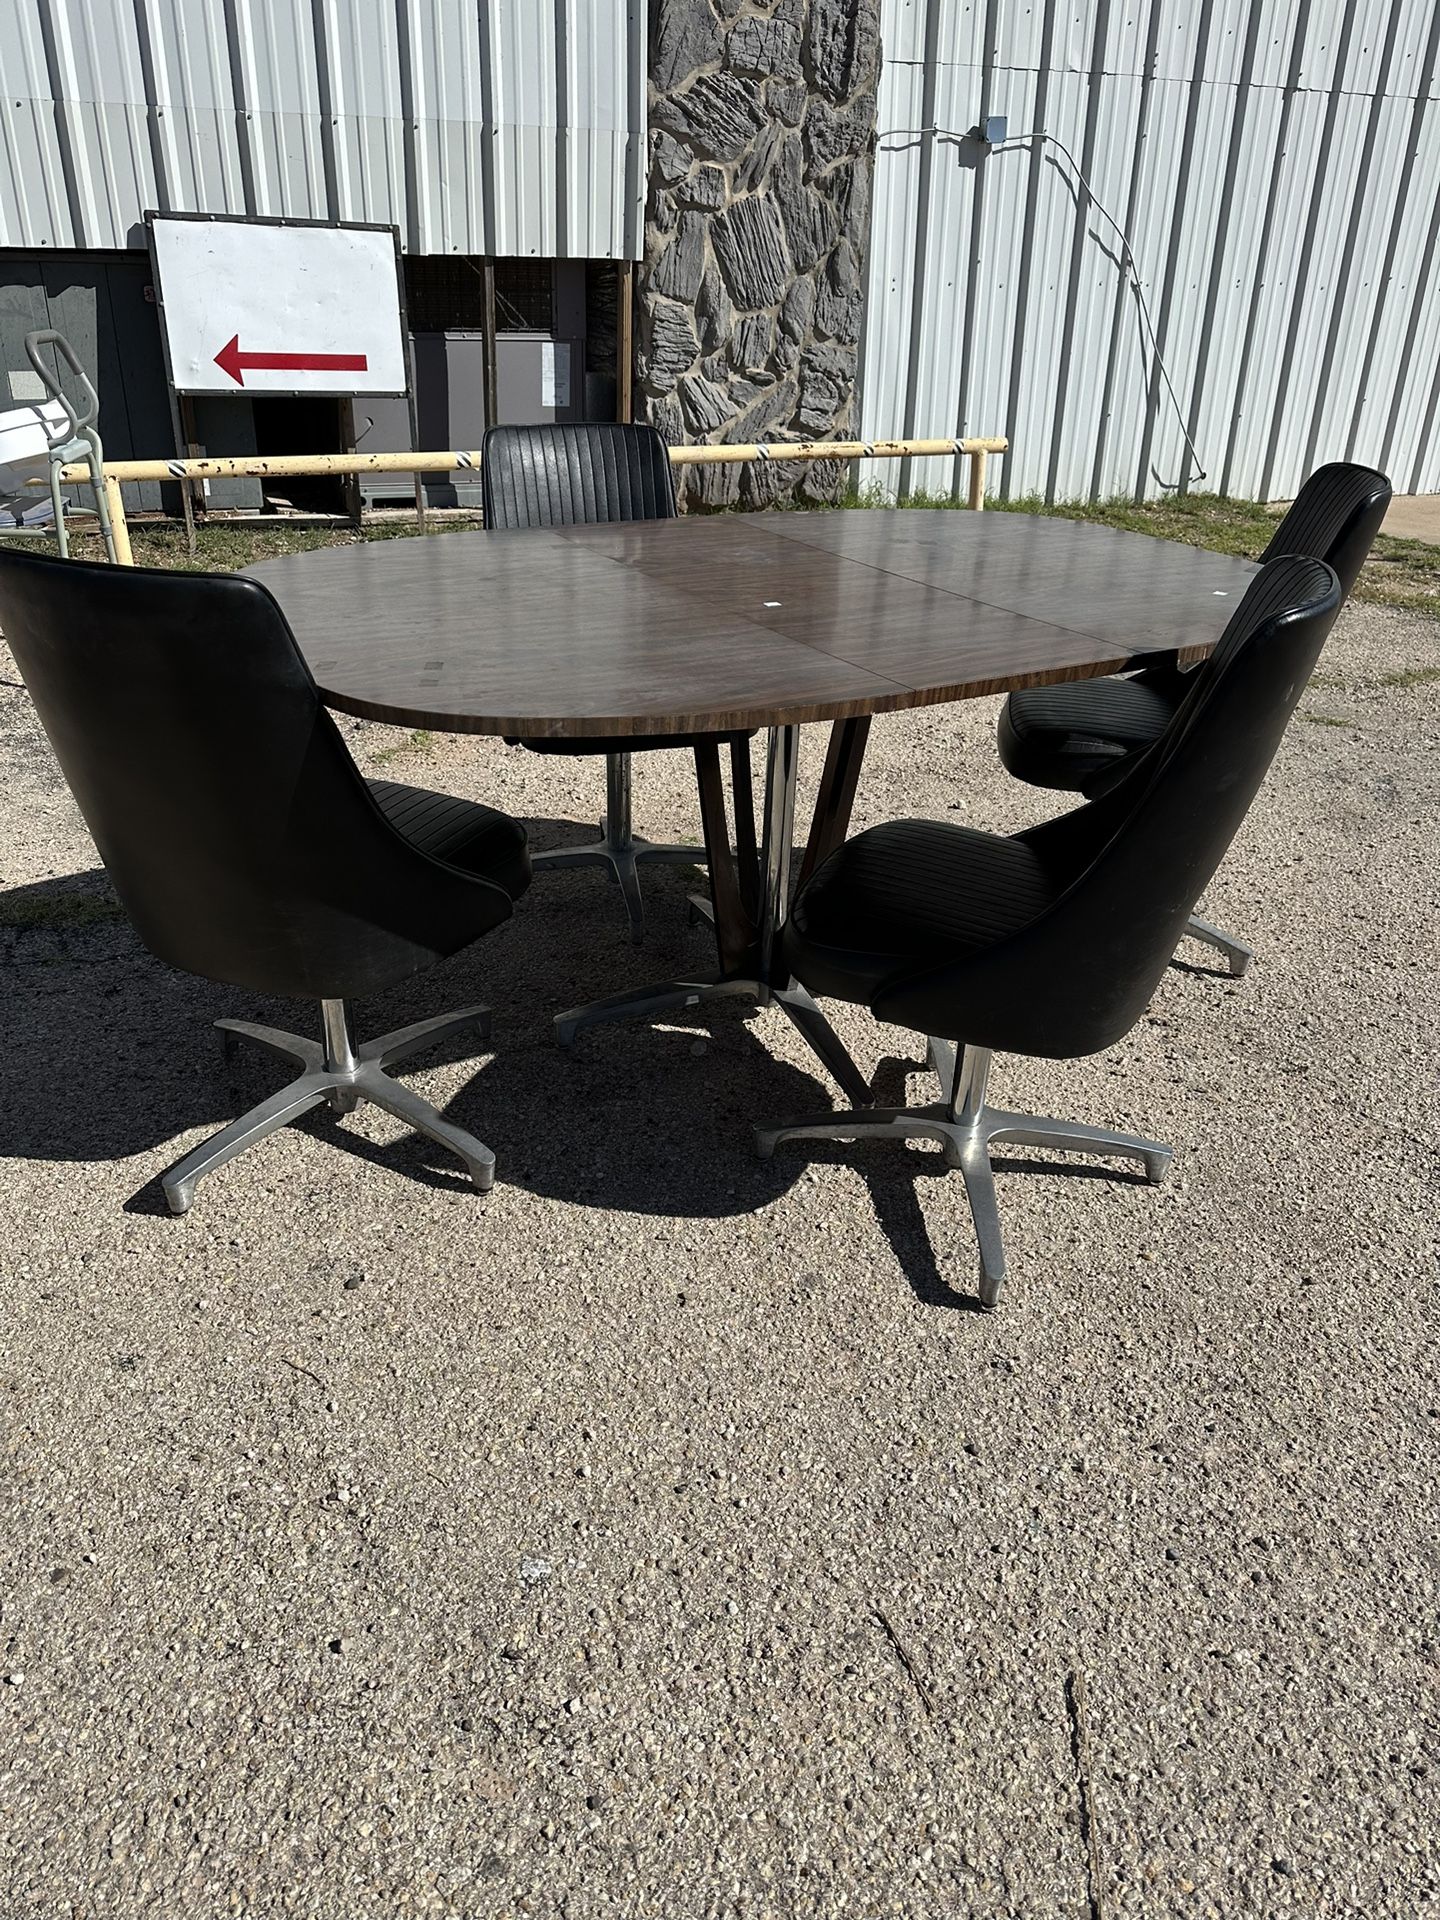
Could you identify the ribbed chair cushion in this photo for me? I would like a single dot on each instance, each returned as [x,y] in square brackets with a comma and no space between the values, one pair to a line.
[567,476]
[1065,736]
[911,893]
[463,832]
[1334,517]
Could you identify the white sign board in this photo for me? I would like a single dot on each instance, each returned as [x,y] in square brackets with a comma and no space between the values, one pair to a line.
[255,307]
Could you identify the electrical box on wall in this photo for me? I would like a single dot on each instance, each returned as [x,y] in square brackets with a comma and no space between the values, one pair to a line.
[994,129]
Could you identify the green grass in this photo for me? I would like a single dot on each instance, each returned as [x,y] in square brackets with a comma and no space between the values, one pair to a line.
[1401,678]
[418,742]
[1409,677]
[225,546]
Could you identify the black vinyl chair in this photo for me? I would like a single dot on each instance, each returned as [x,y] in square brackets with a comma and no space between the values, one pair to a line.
[562,476]
[1051,942]
[239,834]
[1084,735]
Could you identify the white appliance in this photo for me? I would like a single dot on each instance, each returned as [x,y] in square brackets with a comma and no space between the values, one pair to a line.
[26,436]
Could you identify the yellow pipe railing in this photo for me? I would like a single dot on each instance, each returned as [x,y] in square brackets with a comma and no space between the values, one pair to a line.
[255,467]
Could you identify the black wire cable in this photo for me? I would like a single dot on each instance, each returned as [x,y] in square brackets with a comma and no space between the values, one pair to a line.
[1028,140]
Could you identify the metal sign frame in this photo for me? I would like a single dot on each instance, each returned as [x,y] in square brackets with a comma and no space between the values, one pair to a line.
[152,214]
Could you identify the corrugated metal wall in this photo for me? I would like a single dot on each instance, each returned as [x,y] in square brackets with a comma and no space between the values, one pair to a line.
[1276,165]
[475,126]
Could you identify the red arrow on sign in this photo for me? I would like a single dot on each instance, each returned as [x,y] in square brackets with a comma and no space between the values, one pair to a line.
[234,362]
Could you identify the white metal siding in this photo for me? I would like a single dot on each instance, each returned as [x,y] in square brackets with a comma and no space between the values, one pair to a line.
[1276,166]
[475,126]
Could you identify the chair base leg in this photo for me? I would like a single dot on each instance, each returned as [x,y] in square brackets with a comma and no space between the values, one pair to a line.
[342,1077]
[809,1021]
[619,849]
[1235,951]
[965,1130]
[622,862]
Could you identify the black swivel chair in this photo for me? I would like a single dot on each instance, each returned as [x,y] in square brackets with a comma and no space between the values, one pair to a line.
[1051,942]
[563,476]
[1083,736]
[239,834]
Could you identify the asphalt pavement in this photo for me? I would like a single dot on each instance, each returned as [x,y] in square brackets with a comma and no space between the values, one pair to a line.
[668,1534]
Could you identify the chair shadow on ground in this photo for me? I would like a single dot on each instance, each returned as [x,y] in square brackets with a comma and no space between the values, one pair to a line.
[108,1053]
[1199,971]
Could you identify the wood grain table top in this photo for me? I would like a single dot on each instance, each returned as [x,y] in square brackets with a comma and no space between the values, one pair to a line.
[738,620]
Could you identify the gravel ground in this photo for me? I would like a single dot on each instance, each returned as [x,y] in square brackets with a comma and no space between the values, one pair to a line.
[665,1536]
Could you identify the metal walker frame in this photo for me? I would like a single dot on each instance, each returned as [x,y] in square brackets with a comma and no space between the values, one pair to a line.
[80,442]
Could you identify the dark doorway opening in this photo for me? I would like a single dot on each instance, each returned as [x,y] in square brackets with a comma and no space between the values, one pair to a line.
[310,424]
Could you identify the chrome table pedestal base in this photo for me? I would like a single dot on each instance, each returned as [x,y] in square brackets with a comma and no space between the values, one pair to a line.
[747,930]
[619,849]
[342,1075]
[965,1126]
[1236,953]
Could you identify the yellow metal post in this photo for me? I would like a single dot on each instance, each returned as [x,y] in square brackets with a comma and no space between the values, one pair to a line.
[977,479]
[119,526]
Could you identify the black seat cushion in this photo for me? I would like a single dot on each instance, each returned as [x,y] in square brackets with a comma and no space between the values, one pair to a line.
[910,894]
[480,839]
[1083,736]
[605,743]
[1066,736]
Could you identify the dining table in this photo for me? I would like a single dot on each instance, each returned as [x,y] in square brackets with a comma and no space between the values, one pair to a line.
[711,624]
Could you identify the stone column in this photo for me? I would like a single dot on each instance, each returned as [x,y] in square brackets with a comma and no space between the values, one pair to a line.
[750,294]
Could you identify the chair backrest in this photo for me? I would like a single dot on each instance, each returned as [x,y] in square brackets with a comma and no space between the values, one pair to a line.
[1335,518]
[565,476]
[1133,863]
[238,832]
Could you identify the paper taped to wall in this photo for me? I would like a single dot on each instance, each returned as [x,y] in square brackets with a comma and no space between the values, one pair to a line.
[555,373]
